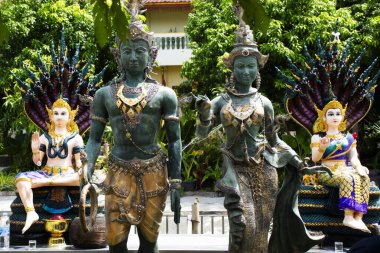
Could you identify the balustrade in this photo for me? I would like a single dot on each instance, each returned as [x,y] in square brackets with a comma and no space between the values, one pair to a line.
[175,41]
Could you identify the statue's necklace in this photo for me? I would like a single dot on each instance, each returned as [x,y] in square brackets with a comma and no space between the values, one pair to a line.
[131,107]
[58,144]
[57,139]
[241,95]
[242,116]
[335,136]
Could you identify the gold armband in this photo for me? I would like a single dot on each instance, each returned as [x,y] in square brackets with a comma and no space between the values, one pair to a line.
[29,208]
[175,184]
[321,150]
[175,181]
[97,118]
[171,118]
[314,145]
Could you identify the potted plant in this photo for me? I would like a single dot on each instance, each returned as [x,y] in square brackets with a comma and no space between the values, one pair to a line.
[189,164]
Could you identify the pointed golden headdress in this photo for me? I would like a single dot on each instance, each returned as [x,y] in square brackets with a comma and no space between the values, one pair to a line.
[320,124]
[71,126]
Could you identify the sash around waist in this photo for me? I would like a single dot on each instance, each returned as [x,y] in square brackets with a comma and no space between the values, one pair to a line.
[137,166]
[144,178]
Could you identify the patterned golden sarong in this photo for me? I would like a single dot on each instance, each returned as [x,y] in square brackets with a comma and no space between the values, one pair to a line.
[353,188]
[136,192]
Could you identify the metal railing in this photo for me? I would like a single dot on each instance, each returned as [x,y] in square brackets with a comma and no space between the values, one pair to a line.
[216,223]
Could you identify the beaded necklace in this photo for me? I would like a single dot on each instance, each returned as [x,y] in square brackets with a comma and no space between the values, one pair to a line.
[241,117]
[335,136]
[131,108]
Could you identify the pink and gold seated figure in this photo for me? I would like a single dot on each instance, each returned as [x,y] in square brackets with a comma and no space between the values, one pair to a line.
[60,144]
[336,149]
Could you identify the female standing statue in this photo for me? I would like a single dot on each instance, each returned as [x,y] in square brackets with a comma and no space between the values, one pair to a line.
[328,99]
[251,154]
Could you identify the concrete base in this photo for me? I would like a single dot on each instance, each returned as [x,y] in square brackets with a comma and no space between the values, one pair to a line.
[167,243]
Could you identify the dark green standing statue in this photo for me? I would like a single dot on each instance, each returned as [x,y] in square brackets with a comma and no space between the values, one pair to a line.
[251,154]
[136,185]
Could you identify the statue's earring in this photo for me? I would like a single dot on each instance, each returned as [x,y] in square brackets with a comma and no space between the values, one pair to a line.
[232,81]
[258,80]
[342,126]
[324,125]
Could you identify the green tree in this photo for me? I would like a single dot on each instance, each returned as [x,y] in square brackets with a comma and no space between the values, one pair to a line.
[292,25]
[110,16]
[32,26]
[210,28]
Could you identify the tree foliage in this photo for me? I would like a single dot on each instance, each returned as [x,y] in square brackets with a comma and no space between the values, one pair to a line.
[210,28]
[109,16]
[32,26]
[4,33]
[255,13]
[292,25]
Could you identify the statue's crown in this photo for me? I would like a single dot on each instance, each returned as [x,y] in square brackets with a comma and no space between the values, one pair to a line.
[245,43]
[136,27]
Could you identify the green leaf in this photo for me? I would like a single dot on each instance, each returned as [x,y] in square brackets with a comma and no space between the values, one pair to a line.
[4,33]
[110,2]
[290,140]
[254,13]
[120,20]
[102,23]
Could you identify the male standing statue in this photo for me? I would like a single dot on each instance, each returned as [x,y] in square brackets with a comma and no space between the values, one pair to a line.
[136,185]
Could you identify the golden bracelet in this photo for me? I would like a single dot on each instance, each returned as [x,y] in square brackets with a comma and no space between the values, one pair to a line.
[51,183]
[321,150]
[36,153]
[29,208]
[314,145]
[175,180]
[348,212]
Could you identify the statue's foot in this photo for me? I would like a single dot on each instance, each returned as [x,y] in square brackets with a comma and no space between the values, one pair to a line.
[31,217]
[363,227]
[349,221]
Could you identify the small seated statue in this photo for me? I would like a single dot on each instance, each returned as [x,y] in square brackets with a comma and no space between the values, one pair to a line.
[336,149]
[60,143]
[58,103]
[328,99]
